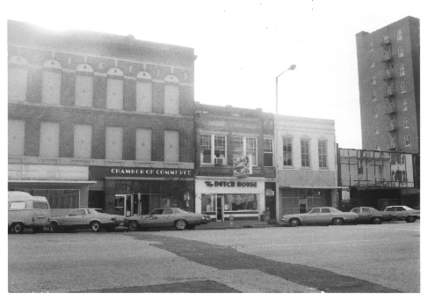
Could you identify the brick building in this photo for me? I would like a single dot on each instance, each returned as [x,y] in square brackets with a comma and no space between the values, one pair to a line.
[100,120]
[234,171]
[389,68]
[307,164]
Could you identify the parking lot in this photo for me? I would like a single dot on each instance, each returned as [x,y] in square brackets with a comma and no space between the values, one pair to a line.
[354,258]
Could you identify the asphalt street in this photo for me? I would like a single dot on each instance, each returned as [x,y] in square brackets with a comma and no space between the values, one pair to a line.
[354,258]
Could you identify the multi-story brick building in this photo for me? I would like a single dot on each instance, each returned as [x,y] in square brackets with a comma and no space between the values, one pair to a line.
[389,68]
[100,120]
[307,164]
[234,171]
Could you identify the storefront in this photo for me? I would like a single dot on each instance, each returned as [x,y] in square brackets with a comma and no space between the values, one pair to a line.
[301,200]
[225,197]
[65,187]
[134,191]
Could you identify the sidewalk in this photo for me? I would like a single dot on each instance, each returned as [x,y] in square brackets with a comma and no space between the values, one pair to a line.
[234,224]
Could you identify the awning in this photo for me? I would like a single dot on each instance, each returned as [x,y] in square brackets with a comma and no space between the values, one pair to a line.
[83,182]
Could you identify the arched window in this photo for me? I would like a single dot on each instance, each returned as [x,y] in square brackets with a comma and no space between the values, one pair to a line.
[115,89]
[51,86]
[84,85]
[144,92]
[17,81]
[172,96]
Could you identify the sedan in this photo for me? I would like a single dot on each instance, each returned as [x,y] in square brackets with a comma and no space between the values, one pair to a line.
[320,216]
[166,217]
[85,218]
[401,213]
[368,214]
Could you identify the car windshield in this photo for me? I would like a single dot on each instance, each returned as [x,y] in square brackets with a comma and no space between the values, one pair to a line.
[334,210]
[314,211]
[179,211]
[407,208]
[355,210]
[156,211]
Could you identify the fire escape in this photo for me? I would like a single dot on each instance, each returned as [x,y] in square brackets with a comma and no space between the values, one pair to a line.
[389,96]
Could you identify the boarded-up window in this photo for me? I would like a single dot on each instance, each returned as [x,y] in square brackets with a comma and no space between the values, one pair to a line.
[114,143]
[51,90]
[17,87]
[82,141]
[16,137]
[143,144]
[115,93]
[171,99]
[49,139]
[144,96]
[171,150]
[84,90]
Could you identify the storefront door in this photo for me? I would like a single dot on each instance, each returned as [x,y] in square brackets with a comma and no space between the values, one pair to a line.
[220,207]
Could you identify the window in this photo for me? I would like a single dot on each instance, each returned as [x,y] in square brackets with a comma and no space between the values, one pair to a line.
[377,131]
[59,198]
[244,146]
[287,151]
[405,108]
[82,141]
[205,148]
[115,89]
[17,79]
[171,150]
[322,153]
[213,149]
[399,35]
[374,98]
[144,96]
[355,210]
[400,52]
[220,148]
[315,211]
[171,103]
[407,140]
[376,116]
[234,202]
[49,139]
[403,87]
[372,65]
[208,203]
[371,45]
[51,83]
[40,205]
[143,147]
[267,152]
[325,210]
[402,70]
[114,140]
[374,80]
[304,147]
[365,210]
[84,85]
[406,123]
[16,137]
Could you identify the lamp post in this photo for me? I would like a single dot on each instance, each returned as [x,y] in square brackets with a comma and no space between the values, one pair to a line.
[276,140]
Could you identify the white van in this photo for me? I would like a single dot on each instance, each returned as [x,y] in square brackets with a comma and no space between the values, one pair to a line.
[26,211]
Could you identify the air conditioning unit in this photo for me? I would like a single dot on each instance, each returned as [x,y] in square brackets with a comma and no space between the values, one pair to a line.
[218,161]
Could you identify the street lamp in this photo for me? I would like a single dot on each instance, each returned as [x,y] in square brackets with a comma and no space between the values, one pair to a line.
[290,68]
[276,138]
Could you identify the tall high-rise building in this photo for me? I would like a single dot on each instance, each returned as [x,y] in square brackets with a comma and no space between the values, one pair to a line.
[388,67]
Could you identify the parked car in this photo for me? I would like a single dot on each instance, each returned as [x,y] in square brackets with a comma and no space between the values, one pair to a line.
[27,211]
[401,213]
[166,217]
[367,214]
[85,218]
[320,216]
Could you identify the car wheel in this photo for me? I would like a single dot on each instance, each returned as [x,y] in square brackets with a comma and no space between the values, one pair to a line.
[18,228]
[180,224]
[376,220]
[337,221]
[294,222]
[95,226]
[133,226]
[55,227]
[410,219]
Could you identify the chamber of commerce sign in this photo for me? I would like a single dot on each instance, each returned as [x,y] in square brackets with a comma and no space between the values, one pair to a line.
[215,183]
[101,172]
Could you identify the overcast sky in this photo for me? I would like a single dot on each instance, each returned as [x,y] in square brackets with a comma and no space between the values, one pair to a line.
[242,45]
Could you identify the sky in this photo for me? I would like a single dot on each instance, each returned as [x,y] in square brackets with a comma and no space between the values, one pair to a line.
[241,46]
